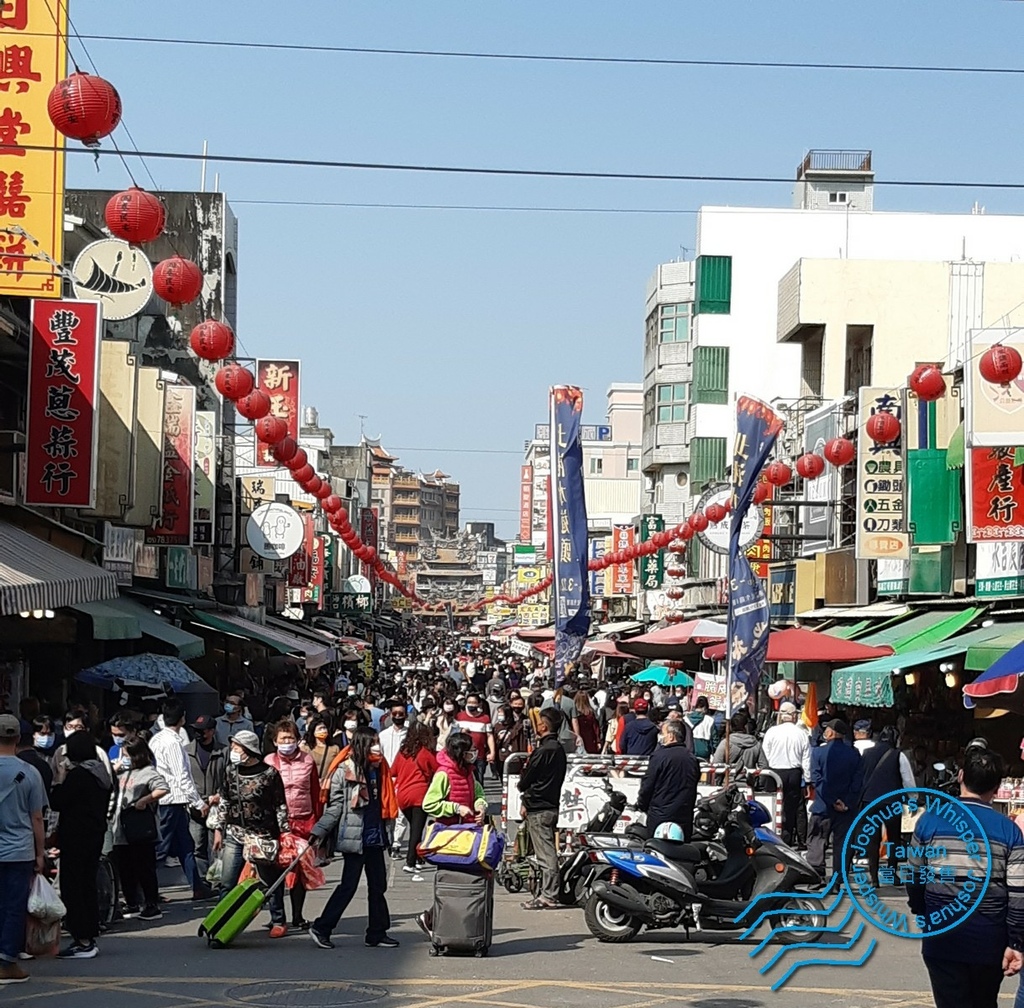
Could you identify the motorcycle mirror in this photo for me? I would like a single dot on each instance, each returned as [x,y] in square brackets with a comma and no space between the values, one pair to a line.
[938,766]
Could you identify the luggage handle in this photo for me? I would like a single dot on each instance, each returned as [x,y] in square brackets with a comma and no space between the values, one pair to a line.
[284,875]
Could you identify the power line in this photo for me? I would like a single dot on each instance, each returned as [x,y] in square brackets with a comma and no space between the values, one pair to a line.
[463,451]
[461,206]
[504,172]
[546,58]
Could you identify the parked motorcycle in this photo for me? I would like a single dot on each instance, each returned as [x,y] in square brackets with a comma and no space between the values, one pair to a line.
[670,884]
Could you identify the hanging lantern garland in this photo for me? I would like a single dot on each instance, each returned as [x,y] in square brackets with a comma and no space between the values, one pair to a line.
[234,381]
[882,427]
[715,513]
[810,466]
[177,280]
[927,382]
[839,451]
[1000,364]
[84,107]
[135,215]
[254,405]
[212,340]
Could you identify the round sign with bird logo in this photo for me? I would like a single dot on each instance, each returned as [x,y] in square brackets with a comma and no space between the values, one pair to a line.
[116,274]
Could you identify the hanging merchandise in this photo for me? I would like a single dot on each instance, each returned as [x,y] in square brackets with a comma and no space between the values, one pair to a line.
[84,107]
[927,382]
[840,451]
[212,340]
[135,215]
[810,466]
[177,280]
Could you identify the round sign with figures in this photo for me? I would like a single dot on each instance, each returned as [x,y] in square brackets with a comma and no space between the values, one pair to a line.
[116,274]
[274,531]
[716,537]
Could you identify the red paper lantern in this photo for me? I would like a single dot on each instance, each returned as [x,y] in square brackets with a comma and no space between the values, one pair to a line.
[271,429]
[676,571]
[727,504]
[284,450]
[234,381]
[675,617]
[1000,364]
[84,107]
[882,427]
[312,484]
[177,280]
[810,466]
[762,491]
[255,405]
[687,533]
[677,547]
[778,473]
[371,554]
[298,460]
[840,451]
[212,340]
[714,513]
[325,490]
[927,383]
[303,474]
[135,215]
[675,593]
[698,521]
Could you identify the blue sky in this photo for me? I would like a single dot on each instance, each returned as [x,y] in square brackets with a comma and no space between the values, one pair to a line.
[445,328]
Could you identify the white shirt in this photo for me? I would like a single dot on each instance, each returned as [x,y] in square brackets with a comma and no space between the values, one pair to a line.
[787,746]
[391,739]
[172,764]
[862,745]
[703,728]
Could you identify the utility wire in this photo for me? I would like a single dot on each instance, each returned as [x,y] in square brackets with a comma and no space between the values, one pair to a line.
[508,172]
[545,58]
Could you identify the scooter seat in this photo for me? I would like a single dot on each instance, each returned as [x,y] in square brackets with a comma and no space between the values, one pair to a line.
[676,850]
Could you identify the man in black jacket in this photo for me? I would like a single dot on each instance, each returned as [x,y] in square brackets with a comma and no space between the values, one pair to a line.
[207,762]
[668,791]
[540,787]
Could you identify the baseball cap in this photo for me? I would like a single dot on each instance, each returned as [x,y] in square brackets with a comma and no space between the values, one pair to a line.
[203,722]
[10,727]
[292,695]
[839,727]
[787,707]
[863,725]
[640,704]
[247,740]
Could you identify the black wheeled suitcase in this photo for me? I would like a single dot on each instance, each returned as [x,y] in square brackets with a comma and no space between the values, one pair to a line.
[463,915]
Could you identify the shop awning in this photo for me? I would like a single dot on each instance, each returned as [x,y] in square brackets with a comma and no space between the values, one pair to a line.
[876,611]
[124,619]
[986,653]
[314,655]
[848,632]
[923,630]
[624,626]
[36,575]
[798,645]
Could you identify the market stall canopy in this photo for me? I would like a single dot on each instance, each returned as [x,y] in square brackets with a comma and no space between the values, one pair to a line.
[681,640]
[924,629]
[148,670]
[798,645]
[314,655]
[608,649]
[36,575]
[986,653]
[533,634]
[663,676]
[622,627]
[1000,685]
[124,619]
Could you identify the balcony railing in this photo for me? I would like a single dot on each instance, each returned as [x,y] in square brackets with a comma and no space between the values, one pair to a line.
[834,160]
[406,483]
[406,537]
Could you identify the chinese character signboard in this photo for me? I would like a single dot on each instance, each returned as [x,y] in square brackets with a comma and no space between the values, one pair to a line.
[33,58]
[280,380]
[525,503]
[620,576]
[881,525]
[368,532]
[174,527]
[256,491]
[995,412]
[760,554]
[119,552]
[60,440]
[816,521]
[182,570]
[539,524]
[300,563]
[999,569]
[314,587]
[206,476]
[995,484]
[597,548]
[652,568]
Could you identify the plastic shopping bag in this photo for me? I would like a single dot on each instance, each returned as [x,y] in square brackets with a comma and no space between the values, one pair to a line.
[214,872]
[42,938]
[306,870]
[43,902]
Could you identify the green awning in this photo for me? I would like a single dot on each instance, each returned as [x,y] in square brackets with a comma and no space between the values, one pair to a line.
[938,632]
[986,653]
[125,619]
[957,449]
[848,632]
[865,688]
[314,655]
[251,632]
[109,622]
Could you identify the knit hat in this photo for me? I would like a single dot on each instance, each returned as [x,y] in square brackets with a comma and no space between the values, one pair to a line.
[248,741]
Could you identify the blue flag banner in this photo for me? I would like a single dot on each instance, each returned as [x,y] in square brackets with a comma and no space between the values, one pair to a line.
[757,427]
[569,528]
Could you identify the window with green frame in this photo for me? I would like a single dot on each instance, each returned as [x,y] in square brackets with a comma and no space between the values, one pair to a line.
[674,323]
[673,403]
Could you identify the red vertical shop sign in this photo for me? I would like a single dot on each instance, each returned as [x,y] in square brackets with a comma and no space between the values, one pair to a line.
[995,485]
[315,586]
[63,369]
[526,503]
[623,538]
[300,563]
[174,527]
[368,533]
[280,380]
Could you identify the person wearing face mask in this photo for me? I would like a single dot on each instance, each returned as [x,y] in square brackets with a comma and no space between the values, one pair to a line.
[353,718]
[319,745]
[361,806]
[413,770]
[391,739]
[207,761]
[447,720]
[233,720]
[476,723]
[36,748]
[124,729]
[252,803]
[76,720]
[302,796]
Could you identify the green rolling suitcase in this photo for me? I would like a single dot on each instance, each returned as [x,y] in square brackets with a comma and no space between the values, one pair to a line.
[237,910]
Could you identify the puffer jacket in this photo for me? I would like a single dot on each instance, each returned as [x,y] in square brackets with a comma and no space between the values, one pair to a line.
[301,783]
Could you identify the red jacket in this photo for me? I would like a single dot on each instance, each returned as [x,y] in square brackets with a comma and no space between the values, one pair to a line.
[413,777]
[301,783]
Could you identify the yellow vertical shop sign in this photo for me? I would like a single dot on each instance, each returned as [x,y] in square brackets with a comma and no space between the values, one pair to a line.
[33,58]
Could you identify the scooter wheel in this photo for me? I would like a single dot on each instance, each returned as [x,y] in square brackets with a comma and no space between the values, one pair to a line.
[607,924]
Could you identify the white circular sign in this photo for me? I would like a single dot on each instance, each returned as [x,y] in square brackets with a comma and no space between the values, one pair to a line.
[357,585]
[116,274]
[716,537]
[274,531]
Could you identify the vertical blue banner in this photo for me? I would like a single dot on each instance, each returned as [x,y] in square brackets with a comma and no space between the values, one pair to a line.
[597,549]
[757,427]
[569,528]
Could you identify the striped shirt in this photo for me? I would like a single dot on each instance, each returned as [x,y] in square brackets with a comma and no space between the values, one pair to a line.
[172,764]
[998,922]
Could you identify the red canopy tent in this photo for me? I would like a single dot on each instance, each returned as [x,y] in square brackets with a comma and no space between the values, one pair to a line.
[606,649]
[798,645]
[534,634]
[680,640]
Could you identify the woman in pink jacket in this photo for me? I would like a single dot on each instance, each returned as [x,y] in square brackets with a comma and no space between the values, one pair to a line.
[302,796]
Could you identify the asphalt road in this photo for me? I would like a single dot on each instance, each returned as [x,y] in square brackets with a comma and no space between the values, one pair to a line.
[544,959]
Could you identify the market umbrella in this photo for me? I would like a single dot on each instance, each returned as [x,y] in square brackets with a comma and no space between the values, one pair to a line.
[798,645]
[1001,685]
[662,675]
[680,640]
[534,634]
[146,670]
